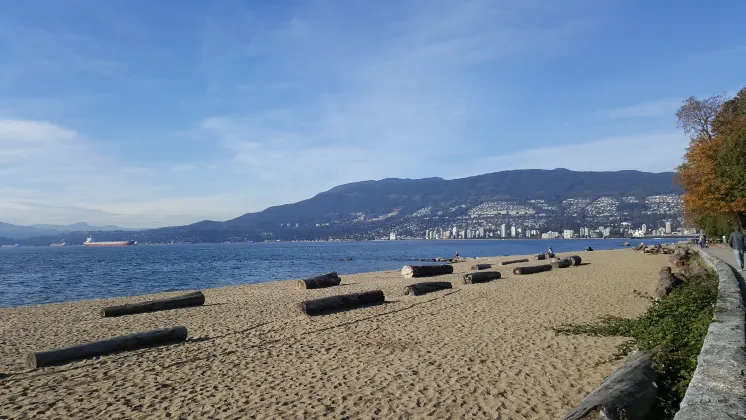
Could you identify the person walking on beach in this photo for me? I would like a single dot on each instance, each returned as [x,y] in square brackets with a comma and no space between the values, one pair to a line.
[737,241]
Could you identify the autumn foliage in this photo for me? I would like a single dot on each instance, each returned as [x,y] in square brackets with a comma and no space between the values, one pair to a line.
[713,174]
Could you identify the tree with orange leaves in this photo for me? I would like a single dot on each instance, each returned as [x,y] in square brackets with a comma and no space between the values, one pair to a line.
[713,174]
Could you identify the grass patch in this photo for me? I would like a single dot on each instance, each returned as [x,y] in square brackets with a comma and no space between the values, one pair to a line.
[678,324]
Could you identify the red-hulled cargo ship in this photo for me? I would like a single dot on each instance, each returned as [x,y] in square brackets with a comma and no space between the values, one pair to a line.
[91,242]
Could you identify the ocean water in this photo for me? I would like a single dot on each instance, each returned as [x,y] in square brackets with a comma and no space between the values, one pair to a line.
[37,275]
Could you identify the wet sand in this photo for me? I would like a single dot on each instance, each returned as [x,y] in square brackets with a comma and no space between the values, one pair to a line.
[475,351]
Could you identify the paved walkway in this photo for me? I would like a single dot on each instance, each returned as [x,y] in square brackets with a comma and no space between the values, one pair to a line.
[726,254]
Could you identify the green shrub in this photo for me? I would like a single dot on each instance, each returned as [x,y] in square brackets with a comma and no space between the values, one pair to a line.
[678,324]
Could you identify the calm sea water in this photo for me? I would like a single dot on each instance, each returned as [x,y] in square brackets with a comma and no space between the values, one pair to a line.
[37,275]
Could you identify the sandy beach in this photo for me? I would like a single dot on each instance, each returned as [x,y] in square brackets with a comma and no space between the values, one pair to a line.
[475,351]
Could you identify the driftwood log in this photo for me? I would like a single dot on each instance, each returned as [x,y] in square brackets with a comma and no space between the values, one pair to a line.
[332,304]
[575,259]
[426,270]
[532,269]
[628,393]
[426,287]
[481,266]
[550,254]
[562,263]
[667,282]
[540,256]
[514,261]
[319,282]
[183,301]
[481,277]
[98,348]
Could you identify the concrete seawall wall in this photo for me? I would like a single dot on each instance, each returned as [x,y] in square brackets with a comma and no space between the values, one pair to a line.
[718,387]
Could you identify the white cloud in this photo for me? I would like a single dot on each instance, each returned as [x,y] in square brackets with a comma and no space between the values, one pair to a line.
[644,110]
[649,152]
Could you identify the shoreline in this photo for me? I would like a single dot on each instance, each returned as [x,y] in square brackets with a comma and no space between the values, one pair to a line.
[483,350]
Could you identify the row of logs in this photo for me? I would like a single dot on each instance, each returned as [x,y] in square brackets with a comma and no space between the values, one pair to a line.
[310,307]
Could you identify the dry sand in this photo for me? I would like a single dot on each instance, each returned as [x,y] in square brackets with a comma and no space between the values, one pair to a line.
[476,351]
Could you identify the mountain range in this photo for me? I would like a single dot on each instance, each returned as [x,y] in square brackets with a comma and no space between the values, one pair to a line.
[533,199]
[10,231]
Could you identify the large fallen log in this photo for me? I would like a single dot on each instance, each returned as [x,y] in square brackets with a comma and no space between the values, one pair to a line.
[481,277]
[481,266]
[628,393]
[514,261]
[426,270]
[575,259]
[562,263]
[532,269]
[98,348]
[539,256]
[426,287]
[183,301]
[319,282]
[332,304]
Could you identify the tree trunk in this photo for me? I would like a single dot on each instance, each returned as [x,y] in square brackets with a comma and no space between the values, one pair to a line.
[514,261]
[481,266]
[540,256]
[318,282]
[426,270]
[183,301]
[563,263]
[98,348]
[628,393]
[418,289]
[332,304]
[532,269]
[481,277]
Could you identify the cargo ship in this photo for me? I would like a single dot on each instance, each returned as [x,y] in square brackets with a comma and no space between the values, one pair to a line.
[91,242]
[58,244]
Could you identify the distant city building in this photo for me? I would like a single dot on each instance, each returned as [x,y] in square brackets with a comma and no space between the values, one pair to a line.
[454,232]
[503,230]
[392,236]
[481,232]
[568,233]
[668,228]
[512,231]
[644,228]
[549,235]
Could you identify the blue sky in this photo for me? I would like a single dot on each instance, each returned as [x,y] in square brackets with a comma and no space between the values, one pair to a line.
[144,114]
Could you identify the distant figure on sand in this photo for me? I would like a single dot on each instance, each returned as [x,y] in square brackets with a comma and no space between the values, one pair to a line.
[456,254]
[737,241]
[549,251]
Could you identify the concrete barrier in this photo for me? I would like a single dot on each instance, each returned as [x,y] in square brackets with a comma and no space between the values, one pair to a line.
[718,387]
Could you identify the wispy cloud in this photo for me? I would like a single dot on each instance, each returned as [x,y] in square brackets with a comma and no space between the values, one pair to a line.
[398,96]
[655,108]
[657,152]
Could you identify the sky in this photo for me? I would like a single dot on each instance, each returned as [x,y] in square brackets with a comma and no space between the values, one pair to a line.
[145,114]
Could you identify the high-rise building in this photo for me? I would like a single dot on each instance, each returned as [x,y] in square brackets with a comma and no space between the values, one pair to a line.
[480,232]
[644,228]
[392,236]
[668,228]
[568,233]
[454,232]
[512,231]
[503,230]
